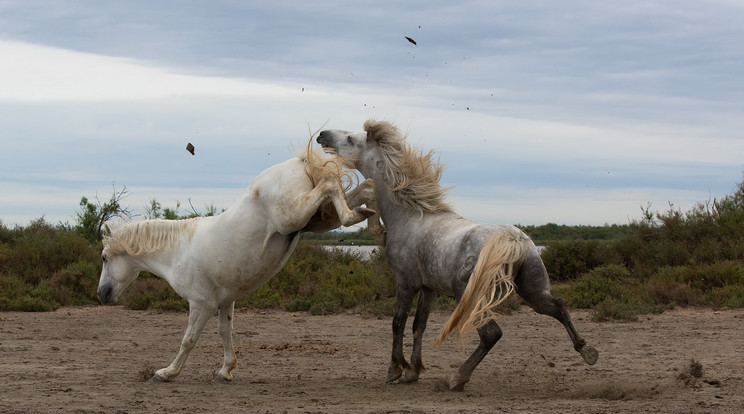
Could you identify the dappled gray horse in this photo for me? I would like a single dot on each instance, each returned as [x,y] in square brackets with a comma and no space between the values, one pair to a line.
[432,250]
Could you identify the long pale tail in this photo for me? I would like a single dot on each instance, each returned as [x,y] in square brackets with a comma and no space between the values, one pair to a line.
[489,284]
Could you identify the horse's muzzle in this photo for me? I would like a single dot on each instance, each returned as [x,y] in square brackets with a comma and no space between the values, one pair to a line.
[323,139]
[106,294]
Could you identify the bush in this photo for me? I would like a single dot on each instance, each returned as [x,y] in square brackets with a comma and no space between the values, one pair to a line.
[727,297]
[613,309]
[567,260]
[595,286]
[664,290]
[320,281]
[263,298]
[15,295]
[149,292]
[76,285]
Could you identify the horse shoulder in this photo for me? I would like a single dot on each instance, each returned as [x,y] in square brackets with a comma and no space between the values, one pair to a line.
[277,192]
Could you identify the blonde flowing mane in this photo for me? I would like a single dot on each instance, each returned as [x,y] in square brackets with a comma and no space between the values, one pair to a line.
[148,236]
[412,176]
[320,166]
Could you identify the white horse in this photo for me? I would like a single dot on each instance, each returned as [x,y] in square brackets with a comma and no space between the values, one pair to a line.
[212,261]
[433,250]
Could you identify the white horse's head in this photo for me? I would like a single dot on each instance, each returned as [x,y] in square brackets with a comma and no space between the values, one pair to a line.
[117,273]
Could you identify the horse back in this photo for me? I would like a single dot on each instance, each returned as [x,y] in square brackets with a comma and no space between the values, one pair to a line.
[438,251]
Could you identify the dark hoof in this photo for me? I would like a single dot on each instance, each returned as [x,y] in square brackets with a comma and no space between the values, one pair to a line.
[456,383]
[157,379]
[589,354]
[366,212]
[410,376]
[393,374]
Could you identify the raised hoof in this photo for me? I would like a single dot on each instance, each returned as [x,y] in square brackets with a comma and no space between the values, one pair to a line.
[589,354]
[366,212]
[456,384]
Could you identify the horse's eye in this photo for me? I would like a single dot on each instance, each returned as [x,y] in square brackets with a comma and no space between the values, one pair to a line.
[349,139]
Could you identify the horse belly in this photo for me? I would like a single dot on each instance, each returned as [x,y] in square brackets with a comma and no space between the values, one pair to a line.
[256,269]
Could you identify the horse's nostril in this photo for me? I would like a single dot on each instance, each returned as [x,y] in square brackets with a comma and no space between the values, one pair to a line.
[105,294]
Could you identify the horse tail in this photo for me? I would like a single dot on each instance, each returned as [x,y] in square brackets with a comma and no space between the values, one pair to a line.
[490,283]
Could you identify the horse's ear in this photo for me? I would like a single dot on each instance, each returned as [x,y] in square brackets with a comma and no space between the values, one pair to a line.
[106,230]
[370,135]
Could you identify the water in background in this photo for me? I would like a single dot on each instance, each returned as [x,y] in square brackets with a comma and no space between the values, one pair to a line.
[365,252]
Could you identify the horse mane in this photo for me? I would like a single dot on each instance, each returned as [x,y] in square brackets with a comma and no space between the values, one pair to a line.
[411,176]
[319,167]
[148,236]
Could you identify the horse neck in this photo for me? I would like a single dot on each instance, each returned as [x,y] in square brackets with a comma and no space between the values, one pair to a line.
[393,214]
[158,263]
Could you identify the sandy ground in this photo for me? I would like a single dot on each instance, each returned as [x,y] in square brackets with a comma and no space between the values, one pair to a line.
[99,359]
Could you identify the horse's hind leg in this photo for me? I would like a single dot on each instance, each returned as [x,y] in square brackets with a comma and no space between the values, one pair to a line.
[426,298]
[225,329]
[198,317]
[533,285]
[489,334]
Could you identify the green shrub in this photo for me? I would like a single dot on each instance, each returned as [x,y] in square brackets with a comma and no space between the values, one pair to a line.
[567,260]
[76,285]
[298,304]
[40,249]
[153,293]
[727,297]
[263,298]
[670,286]
[15,295]
[613,309]
[380,308]
[597,285]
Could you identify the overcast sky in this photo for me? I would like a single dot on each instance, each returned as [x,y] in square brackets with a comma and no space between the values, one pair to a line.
[571,112]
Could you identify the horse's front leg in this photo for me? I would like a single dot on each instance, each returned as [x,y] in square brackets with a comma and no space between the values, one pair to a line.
[374,225]
[426,298]
[301,211]
[198,317]
[348,216]
[366,193]
[225,329]
[398,361]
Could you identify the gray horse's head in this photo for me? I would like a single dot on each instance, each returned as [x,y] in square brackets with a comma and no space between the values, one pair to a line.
[350,145]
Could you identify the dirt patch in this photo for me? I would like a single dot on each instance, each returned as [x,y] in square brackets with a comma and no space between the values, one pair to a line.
[100,359]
